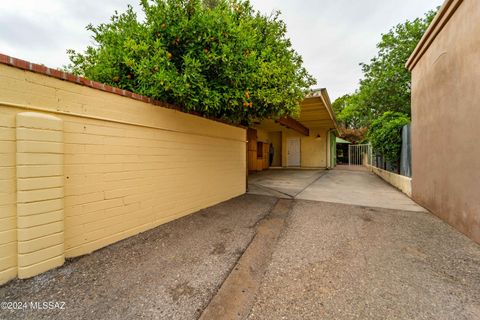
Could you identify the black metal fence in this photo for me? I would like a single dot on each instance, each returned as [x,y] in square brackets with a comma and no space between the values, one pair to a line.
[404,164]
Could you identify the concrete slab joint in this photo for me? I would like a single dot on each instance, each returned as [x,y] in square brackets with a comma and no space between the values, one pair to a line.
[39,166]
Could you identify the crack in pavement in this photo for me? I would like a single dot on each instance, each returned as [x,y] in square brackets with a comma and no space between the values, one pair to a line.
[289,196]
[236,295]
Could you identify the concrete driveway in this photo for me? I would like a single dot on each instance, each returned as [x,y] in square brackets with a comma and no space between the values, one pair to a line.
[336,261]
[260,257]
[357,248]
[353,187]
[282,183]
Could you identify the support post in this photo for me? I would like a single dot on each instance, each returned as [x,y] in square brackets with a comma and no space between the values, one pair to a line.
[40,193]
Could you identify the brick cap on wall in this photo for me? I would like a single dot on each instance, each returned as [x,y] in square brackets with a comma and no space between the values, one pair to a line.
[41,69]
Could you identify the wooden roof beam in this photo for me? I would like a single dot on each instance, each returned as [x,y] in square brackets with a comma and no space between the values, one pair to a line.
[294,125]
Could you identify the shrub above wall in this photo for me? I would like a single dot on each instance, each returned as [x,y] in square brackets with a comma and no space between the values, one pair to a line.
[220,58]
[123,166]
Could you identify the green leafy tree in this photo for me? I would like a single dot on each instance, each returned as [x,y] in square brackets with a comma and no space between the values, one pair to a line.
[340,104]
[385,135]
[349,115]
[386,83]
[219,58]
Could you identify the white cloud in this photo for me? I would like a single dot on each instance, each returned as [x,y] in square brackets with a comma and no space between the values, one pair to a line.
[335,36]
[42,31]
[332,36]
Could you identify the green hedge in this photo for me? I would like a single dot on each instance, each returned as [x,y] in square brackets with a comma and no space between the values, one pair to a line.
[385,135]
[220,58]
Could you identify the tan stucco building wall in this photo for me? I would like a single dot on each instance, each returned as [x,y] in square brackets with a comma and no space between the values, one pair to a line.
[82,168]
[446,117]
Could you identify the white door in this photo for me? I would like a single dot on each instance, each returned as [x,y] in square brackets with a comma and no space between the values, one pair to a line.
[293,149]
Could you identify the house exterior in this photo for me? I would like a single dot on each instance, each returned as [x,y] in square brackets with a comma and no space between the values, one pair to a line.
[445,70]
[307,141]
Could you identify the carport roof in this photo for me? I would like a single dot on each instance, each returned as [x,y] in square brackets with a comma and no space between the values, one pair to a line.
[315,112]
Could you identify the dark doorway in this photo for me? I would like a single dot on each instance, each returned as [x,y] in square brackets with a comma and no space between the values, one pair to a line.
[342,153]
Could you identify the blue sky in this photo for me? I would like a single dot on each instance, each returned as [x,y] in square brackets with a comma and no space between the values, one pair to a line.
[333,36]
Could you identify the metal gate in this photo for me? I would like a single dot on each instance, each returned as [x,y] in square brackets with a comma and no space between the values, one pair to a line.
[358,153]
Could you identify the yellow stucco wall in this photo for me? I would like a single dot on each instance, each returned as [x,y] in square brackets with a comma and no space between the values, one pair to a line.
[40,193]
[313,150]
[8,198]
[275,138]
[400,182]
[122,167]
[262,135]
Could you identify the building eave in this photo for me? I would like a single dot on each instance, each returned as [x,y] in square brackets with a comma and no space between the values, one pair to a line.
[443,16]
[328,106]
